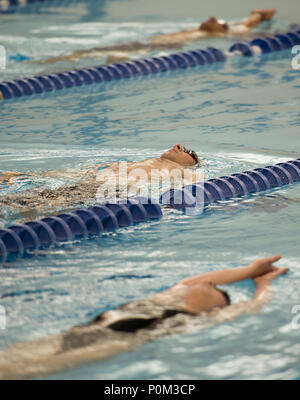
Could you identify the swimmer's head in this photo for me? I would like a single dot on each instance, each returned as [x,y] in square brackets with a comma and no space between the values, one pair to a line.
[212,25]
[182,156]
[205,297]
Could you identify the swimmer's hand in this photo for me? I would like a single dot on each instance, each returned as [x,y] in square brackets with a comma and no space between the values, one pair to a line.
[264,266]
[265,15]
[264,272]
[262,282]
[265,279]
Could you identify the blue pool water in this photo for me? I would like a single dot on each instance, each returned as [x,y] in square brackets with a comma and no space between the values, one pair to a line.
[239,115]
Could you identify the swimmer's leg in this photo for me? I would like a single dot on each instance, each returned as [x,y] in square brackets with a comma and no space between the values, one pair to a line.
[22,359]
[77,346]
[96,52]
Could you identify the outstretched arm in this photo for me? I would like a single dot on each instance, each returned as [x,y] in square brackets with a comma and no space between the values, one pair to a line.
[263,295]
[258,16]
[88,171]
[252,271]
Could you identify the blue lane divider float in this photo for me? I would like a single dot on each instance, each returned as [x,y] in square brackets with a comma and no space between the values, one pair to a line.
[33,235]
[267,44]
[236,185]
[8,4]
[104,73]
[129,69]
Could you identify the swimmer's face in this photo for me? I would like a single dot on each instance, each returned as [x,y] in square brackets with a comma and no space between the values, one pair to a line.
[212,25]
[180,155]
[204,297]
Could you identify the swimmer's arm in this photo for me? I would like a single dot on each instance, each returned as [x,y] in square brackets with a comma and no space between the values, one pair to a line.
[255,269]
[262,282]
[251,22]
[263,293]
[87,171]
[257,16]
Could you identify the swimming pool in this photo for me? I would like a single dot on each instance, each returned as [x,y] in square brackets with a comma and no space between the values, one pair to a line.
[240,115]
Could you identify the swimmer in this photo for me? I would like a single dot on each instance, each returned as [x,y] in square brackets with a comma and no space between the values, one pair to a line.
[195,301]
[178,163]
[209,28]
[217,28]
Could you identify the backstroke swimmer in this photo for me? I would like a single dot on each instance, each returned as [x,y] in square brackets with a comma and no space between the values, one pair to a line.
[177,164]
[209,28]
[217,28]
[193,302]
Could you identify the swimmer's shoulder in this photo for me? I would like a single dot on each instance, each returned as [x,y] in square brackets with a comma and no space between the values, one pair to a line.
[173,295]
[239,29]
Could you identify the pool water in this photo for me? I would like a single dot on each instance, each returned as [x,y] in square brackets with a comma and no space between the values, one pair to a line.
[239,115]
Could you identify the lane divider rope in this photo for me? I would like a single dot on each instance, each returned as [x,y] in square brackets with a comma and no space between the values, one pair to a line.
[18,239]
[154,65]
[106,73]
[226,187]
[267,44]
[21,238]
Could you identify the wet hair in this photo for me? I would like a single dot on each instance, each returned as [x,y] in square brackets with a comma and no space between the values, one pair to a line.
[226,295]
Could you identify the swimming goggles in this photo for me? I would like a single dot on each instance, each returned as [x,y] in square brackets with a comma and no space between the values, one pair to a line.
[193,154]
